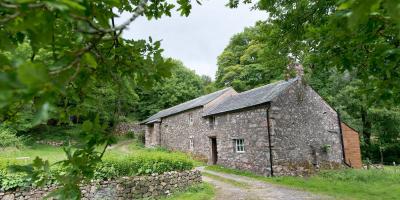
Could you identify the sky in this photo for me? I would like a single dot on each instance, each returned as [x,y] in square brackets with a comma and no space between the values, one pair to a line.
[196,40]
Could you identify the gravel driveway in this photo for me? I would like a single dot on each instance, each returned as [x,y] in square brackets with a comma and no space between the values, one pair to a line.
[255,190]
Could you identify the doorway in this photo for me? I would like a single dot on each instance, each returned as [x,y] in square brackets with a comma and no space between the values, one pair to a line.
[214,152]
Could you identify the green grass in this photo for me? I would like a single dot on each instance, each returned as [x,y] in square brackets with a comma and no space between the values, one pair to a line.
[225,180]
[343,184]
[27,154]
[124,148]
[203,191]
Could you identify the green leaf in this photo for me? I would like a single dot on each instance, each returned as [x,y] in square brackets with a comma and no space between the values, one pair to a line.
[89,59]
[87,125]
[33,75]
[73,4]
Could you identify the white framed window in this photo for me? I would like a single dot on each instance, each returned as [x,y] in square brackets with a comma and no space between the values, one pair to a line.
[212,122]
[190,118]
[239,145]
[191,143]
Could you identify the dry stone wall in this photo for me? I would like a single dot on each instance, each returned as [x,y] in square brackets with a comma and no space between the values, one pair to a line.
[153,186]
[126,127]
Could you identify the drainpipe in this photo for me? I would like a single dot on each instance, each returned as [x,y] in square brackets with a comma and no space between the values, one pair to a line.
[159,133]
[342,139]
[269,142]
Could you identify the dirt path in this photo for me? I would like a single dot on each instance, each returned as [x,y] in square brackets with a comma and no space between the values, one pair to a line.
[255,190]
[122,146]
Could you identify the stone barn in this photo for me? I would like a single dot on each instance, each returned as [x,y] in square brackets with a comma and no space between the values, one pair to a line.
[283,128]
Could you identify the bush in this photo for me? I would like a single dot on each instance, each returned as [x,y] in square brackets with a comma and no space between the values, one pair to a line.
[150,162]
[130,135]
[105,171]
[10,181]
[8,138]
[140,136]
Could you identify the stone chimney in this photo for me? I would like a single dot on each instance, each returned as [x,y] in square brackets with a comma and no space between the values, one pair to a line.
[296,68]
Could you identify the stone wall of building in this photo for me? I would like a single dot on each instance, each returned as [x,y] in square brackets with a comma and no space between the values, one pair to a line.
[153,134]
[250,125]
[305,132]
[178,131]
[123,188]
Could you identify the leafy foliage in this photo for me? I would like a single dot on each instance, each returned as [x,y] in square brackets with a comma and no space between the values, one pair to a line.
[249,60]
[9,138]
[150,162]
[74,50]
[181,86]
[349,50]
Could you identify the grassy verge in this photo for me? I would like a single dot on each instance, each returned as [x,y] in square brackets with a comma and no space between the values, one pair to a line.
[343,184]
[203,191]
[225,180]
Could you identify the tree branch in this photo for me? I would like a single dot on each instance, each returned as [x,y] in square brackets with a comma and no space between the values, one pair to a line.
[136,13]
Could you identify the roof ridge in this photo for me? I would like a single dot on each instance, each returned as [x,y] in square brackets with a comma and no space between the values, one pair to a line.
[193,103]
[251,97]
[269,84]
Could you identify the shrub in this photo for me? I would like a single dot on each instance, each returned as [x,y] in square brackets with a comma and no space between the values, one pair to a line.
[8,138]
[10,181]
[150,162]
[105,171]
[130,135]
[140,137]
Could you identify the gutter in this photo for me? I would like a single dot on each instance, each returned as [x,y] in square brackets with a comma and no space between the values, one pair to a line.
[342,139]
[269,142]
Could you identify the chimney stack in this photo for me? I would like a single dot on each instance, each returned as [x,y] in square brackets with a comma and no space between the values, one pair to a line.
[296,68]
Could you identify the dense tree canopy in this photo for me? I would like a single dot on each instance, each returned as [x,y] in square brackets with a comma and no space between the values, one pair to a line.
[350,51]
[249,60]
[75,55]
[181,86]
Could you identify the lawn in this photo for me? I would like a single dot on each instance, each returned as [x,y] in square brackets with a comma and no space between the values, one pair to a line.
[203,191]
[125,147]
[342,184]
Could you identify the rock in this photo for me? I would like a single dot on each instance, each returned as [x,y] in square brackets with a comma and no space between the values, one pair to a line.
[8,197]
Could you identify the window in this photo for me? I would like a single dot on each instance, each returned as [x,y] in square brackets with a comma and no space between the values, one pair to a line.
[239,145]
[191,143]
[212,122]
[190,118]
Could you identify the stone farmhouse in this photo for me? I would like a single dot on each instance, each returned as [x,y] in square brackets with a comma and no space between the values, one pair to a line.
[283,128]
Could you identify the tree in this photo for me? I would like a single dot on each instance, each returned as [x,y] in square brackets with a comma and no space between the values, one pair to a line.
[249,61]
[75,49]
[183,85]
[350,53]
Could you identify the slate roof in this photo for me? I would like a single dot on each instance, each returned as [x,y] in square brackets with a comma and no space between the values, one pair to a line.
[200,101]
[252,97]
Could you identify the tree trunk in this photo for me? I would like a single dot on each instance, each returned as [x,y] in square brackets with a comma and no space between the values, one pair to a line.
[366,131]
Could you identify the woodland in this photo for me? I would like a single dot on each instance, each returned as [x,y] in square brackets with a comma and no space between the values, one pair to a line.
[65,64]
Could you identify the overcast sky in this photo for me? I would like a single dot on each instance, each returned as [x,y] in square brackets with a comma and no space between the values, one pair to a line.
[196,40]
